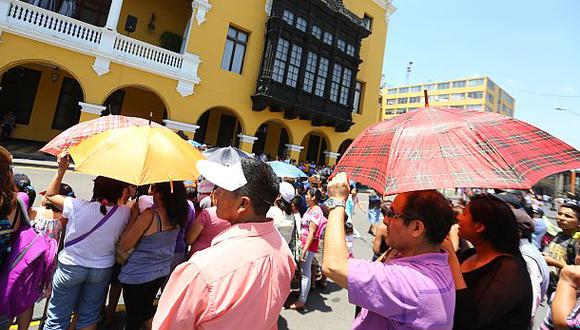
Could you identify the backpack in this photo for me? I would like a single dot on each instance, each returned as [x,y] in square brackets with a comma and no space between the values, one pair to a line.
[27,272]
[6,231]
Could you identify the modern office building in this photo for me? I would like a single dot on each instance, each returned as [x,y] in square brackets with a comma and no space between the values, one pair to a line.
[297,77]
[477,93]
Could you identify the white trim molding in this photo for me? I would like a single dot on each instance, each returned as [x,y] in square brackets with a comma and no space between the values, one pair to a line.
[268,7]
[332,155]
[293,147]
[200,8]
[247,138]
[177,125]
[389,8]
[95,109]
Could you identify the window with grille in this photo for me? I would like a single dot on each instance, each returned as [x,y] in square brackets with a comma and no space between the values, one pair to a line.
[294,66]
[345,89]
[301,24]
[321,76]
[358,95]
[350,50]
[327,39]
[341,44]
[280,60]
[336,81]
[316,32]
[288,17]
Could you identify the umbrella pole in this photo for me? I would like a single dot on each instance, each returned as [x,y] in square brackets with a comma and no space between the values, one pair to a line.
[426,98]
[150,117]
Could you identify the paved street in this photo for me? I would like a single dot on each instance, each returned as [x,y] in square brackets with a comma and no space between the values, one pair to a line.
[327,309]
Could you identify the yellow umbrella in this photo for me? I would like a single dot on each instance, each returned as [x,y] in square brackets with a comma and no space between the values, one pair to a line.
[137,155]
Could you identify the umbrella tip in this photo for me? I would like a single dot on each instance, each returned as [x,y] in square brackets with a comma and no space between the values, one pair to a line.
[426,98]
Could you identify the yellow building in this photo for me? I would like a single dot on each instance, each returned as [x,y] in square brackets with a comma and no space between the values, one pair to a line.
[272,76]
[477,93]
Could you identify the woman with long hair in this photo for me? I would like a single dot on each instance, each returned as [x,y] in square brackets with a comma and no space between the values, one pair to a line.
[309,228]
[85,264]
[492,281]
[149,242]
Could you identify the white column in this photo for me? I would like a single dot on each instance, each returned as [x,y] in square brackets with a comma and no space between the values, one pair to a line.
[177,125]
[293,147]
[114,13]
[247,138]
[330,154]
[92,108]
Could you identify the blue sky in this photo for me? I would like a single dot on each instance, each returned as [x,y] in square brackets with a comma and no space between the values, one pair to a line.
[526,47]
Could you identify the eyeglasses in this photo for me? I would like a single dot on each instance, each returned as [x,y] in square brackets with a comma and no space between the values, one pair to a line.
[390,213]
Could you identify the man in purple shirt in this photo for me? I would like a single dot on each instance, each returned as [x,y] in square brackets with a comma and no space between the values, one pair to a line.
[412,287]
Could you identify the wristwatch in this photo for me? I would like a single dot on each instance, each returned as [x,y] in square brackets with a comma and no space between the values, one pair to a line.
[333,203]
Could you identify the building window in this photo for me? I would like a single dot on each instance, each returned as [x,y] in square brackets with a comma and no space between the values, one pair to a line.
[310,72]
[400,111]
[335,84]
[490,98]
[475,95]
[280,61]
[341,45]
[488,108]
[402,100]
[235,50]
[456,106]
[368,22]
[316,32]
[404,90]
[443,86]
[457,84]
[93,12]
[350,50]
[415,89]
[415,99]
[345,90]
[358,94]
[68,110]
[301,24]
[475,82]
[288,17]
[475,106]
[391,101]
[430,87]
[294,66]
[490,85]
[321,76]
[457,96]
[327,39]
[442,98]
[19,87]
[392,91]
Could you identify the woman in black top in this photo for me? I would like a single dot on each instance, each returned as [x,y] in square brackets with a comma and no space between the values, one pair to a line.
[492,281]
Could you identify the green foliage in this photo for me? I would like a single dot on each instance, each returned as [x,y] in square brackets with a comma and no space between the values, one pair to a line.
[171,41]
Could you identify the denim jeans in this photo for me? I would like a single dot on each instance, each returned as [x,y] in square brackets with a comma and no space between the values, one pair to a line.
[77,288]
[306,270]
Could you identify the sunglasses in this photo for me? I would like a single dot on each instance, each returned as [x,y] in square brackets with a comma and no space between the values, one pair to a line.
[390,213]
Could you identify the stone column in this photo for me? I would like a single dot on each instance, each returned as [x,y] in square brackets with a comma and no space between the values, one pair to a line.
[294,152]
[247,142]
[330,158]
[90,111]
[114,13]
[188,129]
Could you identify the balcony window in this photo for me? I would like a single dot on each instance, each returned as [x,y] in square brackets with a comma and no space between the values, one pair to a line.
[475,95]
[402,100]
[93,12]
[443,86]
[392,91]
[457,96]
[321,76]
[68,110]
[350,50]
[341,45]
[294,66]
[235,50]
[301,24]
[404,90]
[335,84]
[345,89]
[415,89]
[316,32]
[310,72]
[358,95]
[288,17]
[391,101]
[458,84]
[280,61]
[415,99]
[327,39]
[475,82]
[368,22]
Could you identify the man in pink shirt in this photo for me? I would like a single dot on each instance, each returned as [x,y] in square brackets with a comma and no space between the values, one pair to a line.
[243,279]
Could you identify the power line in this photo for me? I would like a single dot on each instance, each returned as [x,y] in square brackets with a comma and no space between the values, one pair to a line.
[538,93]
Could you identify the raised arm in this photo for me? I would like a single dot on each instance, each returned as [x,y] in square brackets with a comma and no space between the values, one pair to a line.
[54,185]
[565,298]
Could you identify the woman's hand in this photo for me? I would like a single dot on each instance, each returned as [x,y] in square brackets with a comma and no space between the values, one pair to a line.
[447,245]
[63,160]
[338,187]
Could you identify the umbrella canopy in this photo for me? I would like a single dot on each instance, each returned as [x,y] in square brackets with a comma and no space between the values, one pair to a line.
[137,155]
[74,135]
[226,155]
[444,148]
[195,143]
[285,170]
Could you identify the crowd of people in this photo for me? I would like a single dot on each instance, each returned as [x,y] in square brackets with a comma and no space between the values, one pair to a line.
[486,261]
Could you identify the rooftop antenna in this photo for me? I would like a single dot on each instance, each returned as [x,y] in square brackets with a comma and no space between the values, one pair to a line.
[409,69]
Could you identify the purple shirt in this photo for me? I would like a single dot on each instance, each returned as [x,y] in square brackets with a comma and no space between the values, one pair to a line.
[404,293]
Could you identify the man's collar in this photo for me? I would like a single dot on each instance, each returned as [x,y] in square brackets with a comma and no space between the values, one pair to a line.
[246,229]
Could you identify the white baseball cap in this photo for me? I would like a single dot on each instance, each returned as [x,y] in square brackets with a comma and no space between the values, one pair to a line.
[287,191]
[229,178]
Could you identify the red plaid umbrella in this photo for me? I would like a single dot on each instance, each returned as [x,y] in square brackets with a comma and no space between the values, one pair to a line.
[445,148]
[74,135]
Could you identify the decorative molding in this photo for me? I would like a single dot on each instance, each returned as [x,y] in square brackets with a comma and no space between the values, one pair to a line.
[199,9]
[101,65]
[177,125]
[92,108]
[247,138]
[389,11]
[293,147]
[330,154]
[268,7]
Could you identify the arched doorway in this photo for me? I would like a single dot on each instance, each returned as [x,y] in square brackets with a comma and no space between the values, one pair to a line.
[343,147]
[272,140]
[43,97]
[314,146]
[136,101]
[218,127]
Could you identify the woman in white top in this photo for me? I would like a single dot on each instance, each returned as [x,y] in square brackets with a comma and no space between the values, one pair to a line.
[85,264]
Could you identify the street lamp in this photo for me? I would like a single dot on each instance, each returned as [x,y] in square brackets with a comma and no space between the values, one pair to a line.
[568,110]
